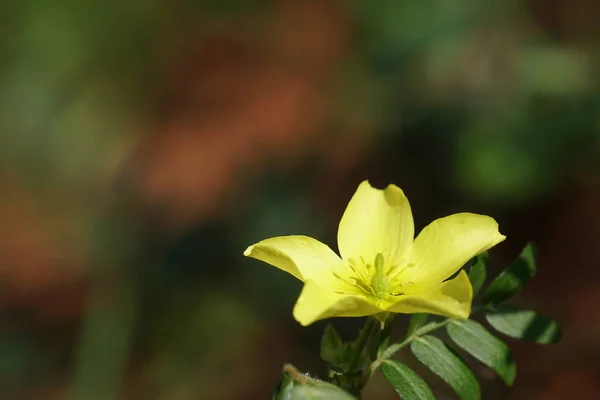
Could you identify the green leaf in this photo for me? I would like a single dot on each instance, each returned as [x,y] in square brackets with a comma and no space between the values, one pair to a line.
[477,271]
[339,354]
[324,392]
[406,382]
[298,386]
[285,385]
[523,324]
[440,359]
[332,346]
[416,321]
[481,344]
[513,278]
[352,348]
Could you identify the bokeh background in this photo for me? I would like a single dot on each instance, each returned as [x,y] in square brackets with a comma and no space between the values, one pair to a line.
[145,144]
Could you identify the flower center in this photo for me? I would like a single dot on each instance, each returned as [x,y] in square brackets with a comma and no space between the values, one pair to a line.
[374,280]
[379,281]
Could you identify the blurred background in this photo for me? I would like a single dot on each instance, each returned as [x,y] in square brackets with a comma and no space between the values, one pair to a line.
[145,144]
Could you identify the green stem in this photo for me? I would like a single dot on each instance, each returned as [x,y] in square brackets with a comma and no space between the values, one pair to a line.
[393,349]
[360,345]
[353,379]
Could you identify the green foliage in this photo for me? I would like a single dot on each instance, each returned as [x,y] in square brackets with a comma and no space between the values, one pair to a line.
[333,348]
[477,271]
[298,386]
[305,392]
[348,361]
[481,344]
[513,278]
[345,357]
[523,324]
[406,382]
[349,368]
[440,359]
[416,322]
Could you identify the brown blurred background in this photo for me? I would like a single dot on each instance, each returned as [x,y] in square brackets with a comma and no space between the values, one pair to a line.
[145,144]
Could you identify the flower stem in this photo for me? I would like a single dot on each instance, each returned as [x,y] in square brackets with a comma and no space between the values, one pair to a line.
[354,377]
[393,349]
[360,345]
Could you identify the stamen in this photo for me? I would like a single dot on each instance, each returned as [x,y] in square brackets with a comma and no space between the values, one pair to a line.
[362,260]
[357,271]
[353,283]
[395,272]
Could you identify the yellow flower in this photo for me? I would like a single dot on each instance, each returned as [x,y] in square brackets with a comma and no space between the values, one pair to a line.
[382,269]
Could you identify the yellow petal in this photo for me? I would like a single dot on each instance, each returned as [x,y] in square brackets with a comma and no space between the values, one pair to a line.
[376,221]
[302,256]
[446,244]
[451,299]
[316,303]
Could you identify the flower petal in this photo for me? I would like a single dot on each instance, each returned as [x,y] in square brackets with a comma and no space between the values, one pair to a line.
[451,298]
[446,244]
[376,221]
[316,303]
[302,256]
